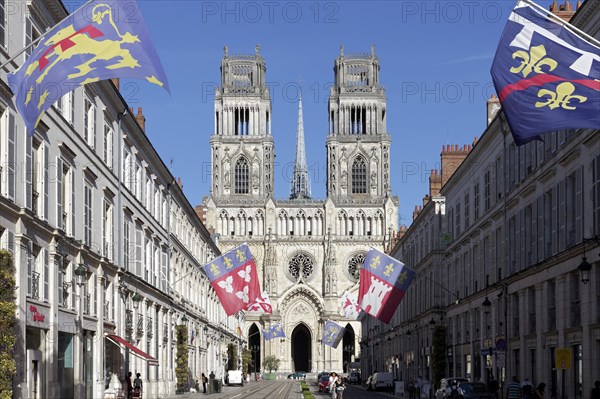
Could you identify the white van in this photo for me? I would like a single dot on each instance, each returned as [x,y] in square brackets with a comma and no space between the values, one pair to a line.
[381,380]
[235,377]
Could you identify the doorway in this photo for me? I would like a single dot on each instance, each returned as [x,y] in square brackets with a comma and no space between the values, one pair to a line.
[301,349]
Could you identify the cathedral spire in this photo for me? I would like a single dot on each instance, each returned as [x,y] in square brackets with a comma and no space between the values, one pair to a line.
[300,181]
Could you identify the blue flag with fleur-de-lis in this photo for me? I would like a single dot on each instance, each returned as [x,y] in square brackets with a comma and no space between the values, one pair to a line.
[546,76]
[276,331]
[332,333]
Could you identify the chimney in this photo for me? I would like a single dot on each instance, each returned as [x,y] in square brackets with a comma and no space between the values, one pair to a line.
[452,156]
[416,212]
[563,11]
[493,106]
[425,200]
[140,118]
[116,82]
[435,183]
[179,183]
[201,212]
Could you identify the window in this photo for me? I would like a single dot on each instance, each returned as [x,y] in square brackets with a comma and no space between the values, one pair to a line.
[9,166]
[486,191]
[476,201]
[596,193]
[107,229]
[108,143]
[551,295]
[65,197]
[355,264]
[575,309]
[359,176]
[127,248]
[3,23]
[301,264]
[241,176]
[89,123]
[87,213]
[467,210]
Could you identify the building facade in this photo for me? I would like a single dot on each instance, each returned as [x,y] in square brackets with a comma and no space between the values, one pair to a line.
[106,246]
[308,251]
[497,246]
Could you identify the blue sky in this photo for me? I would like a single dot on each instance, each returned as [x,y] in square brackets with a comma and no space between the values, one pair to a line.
[435,58]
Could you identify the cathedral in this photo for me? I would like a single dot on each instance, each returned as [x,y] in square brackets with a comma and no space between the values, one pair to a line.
[308,251]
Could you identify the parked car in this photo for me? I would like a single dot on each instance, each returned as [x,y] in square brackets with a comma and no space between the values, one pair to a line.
[380,380]
[354,377]
[298,375]
[443,391]
[321,374]
[234,377]
[474,390]
[324,383]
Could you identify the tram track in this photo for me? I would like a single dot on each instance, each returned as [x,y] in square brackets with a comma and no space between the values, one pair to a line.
[268,390]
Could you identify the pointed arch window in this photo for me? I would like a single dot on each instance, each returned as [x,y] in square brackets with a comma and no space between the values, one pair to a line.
[241,176]
[359,176]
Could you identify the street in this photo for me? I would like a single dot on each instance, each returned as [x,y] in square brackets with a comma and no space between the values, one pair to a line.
[283,389]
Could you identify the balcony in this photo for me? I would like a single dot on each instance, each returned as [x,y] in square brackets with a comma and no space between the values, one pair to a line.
[86,304]
[140,326]
[149,330]
[35,285]
[129,324]
[34,201]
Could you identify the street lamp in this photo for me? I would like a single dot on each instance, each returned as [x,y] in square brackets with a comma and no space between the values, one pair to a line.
[81,273]
[486,305]
[254,349]
[585,268]
[136,298]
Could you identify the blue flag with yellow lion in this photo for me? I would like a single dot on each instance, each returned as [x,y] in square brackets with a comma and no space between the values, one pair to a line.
[101,40]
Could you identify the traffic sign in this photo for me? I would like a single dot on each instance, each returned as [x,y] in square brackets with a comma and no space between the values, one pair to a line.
[563,358]
[501,344]
[501,359]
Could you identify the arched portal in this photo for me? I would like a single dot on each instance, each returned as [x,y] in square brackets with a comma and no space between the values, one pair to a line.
[301,348]
[349,349]
[254,346]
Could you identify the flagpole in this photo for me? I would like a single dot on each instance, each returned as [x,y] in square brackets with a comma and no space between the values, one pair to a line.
[33,43]
[575,30]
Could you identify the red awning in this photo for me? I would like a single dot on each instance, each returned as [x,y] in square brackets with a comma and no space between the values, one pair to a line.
[134,350]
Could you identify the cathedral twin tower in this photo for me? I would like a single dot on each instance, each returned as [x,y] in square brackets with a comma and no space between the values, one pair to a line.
[308,251]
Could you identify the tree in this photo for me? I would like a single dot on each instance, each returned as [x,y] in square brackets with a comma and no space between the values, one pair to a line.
[439,353]
[271,363]
[246,360]
[232,359]
[181,371]
[7,324]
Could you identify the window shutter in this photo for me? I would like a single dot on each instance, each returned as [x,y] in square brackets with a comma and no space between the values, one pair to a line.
[29,268]
[579,206]
[554,215]
[46,188]
[138,251]
[561,215]
[46,274]
[93,130]
[28,172]
[59,194]
[540,228]
[72,202]
[11,168]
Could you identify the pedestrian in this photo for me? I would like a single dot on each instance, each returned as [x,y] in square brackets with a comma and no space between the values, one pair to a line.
[129,385]
[595,391]
[527,391]
[340,387]
[539,391]
[204,381]
[493,386]
[137,386]
[332,385]
[211,375]
[513,389]
[419,386]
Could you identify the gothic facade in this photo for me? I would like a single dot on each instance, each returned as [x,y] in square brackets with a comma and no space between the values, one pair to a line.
[308,251]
